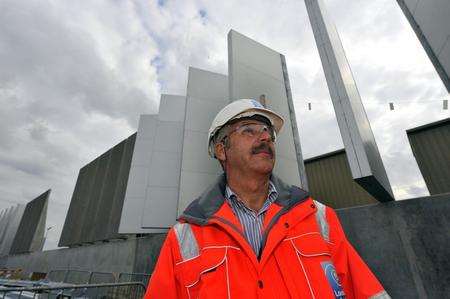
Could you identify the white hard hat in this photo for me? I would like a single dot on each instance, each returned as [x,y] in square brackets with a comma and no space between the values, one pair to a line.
[238,109]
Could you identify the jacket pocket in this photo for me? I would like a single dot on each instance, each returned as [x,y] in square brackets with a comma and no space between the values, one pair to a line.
[205,276]
[310,245]
[312,254]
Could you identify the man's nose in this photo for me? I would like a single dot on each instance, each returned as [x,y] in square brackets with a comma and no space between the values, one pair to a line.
[265,136]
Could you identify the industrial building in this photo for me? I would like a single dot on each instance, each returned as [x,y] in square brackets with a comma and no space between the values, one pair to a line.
[330,181]
[430,145]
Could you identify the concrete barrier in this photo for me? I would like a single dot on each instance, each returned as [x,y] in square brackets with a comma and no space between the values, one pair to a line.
[405,243]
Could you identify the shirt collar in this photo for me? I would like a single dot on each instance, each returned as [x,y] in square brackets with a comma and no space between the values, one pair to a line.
[232,198]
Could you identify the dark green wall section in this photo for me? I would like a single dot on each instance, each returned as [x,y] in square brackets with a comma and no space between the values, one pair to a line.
[96,205]
[431,148]
[330,181]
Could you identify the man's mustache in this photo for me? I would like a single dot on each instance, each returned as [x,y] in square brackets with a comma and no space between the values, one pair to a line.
[263,148]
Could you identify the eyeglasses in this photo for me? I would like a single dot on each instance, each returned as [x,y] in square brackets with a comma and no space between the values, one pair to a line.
[253,130]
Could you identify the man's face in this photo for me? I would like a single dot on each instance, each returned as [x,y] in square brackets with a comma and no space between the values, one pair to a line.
[248,152]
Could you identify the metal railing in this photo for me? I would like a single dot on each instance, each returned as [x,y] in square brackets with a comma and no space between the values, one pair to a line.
[104,291]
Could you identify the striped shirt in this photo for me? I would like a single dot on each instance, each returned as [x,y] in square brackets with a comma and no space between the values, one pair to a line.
[251,221]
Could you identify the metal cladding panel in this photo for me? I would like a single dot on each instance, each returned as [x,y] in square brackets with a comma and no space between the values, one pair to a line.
[30,233]
[431,148]
[330,181]
[67,236]
[96,205]
[101,228]
[207,94]
[256,72]
[94,199]
[429,20]
[152,192]
[120,188]
[14,217]
[362,152]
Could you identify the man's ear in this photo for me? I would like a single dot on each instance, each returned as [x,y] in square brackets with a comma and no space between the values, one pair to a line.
[219,150]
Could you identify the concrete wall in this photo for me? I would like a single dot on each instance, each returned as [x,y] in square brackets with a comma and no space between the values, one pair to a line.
[131,255]
[330,181]
[405,243]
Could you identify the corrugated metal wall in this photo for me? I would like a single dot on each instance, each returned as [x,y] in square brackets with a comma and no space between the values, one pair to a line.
[97,201]
[431,148]
[330,181]
[30,234]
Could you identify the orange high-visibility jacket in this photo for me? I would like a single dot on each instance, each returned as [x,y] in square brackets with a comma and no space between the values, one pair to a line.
[305,253]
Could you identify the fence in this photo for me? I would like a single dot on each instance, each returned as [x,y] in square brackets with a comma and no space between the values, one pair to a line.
[104,291]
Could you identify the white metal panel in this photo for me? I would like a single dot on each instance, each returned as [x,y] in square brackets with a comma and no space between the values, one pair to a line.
[168,136]
[164,169]
[362,152]
[170,108]
[195,154]
[207,93]
[159,204]
[193,184]
[256,70]
[207,85]
[151,198]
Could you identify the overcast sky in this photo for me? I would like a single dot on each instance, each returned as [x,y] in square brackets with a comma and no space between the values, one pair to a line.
[76,75]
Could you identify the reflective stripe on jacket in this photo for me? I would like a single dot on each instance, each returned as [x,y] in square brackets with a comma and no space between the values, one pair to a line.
[305,253]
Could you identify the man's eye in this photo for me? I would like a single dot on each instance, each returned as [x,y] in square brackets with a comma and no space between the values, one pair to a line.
[248,130]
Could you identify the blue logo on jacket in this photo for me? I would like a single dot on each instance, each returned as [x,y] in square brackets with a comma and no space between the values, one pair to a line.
[333,280]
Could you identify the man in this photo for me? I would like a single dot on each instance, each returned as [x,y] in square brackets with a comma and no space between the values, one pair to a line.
[251,235]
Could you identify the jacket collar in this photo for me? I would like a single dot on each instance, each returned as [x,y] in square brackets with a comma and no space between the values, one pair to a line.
[201,209]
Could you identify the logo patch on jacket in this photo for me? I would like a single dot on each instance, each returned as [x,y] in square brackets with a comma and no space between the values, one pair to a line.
[333,280]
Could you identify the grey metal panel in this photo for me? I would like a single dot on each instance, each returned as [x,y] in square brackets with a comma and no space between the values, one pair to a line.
[67,236]
[30,233]
[96,204]
[88,226]
[37,244]
[85,197]
[330,181]
[431,147]
[207,93]
[362,151]
[121,187]
[255,70]
[13,219]
[429,20]
[108,189]
[152,193]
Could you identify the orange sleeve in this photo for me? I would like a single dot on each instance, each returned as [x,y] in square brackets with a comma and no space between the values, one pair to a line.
[162,284]
[356,278]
